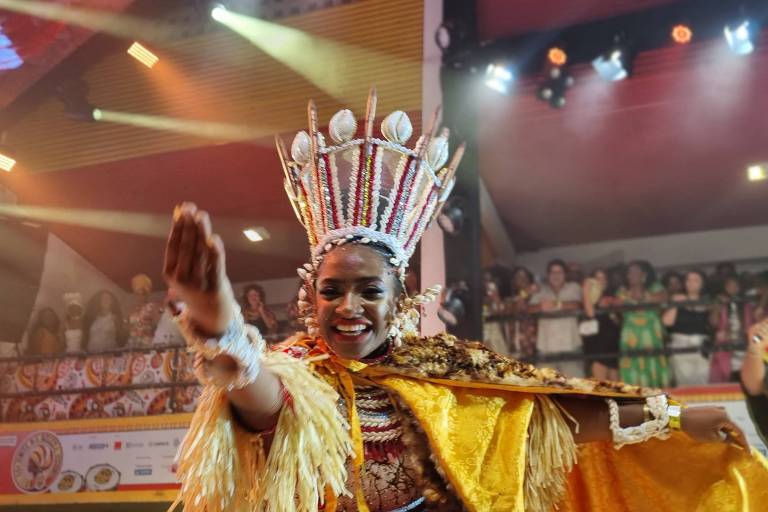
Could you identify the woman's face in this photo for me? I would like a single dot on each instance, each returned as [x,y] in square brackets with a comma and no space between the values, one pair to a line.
[693,283]
[356,296]
[732,287]
[105,303]
[674,285]
[254,299]
[520,280]
[635,276]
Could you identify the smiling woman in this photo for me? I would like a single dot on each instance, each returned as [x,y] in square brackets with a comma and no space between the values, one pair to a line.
[361,413]
[357,293]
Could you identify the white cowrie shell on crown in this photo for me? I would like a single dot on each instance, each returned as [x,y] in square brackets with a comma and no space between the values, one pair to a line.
[397,127]
[343,126]
[301,150]
[437,152]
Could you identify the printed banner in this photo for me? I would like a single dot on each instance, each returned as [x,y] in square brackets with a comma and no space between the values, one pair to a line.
[90,456]
[80,374]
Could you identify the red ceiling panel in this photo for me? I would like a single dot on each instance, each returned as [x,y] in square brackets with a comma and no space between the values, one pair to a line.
[665,151]
[504,18]
[43,44]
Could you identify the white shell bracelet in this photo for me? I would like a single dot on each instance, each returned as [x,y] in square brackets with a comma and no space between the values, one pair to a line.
[658,427]
[242,342]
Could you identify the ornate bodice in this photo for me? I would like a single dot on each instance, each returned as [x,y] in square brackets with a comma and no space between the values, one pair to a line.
[388,476]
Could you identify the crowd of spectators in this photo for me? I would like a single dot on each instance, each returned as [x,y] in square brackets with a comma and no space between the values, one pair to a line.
[101,325]
[625,322]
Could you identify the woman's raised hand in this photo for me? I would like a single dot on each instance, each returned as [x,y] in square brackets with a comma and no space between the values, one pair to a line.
[194,268]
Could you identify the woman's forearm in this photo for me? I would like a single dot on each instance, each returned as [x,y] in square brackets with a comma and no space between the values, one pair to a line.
[594,419]
[258,404]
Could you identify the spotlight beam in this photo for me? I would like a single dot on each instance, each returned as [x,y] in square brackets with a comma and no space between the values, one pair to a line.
[121,25]
[122,222]
[318,60]
[203,129]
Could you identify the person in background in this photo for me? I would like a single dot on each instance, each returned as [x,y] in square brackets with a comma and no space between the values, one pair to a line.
[103,323]
[730,318]
[523,328]
[167,333]
[600,331]
[142,321]
[641,329]
[256,312]
[754,377]
[293,316]
[493,334]
[559,334]
[73,322]
[673,283]
[690,328]
[723,270]
[45,335]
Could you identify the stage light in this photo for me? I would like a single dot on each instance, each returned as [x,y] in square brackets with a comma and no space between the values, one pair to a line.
[757,172]
[553,90]
[219,12]
[453,307]
[206,129]
[557,56]
[741,37]
[258,234]
[451,217]
[73,94]
[6,162]
[142,54]
[682,34]
[615,64]
[498,77]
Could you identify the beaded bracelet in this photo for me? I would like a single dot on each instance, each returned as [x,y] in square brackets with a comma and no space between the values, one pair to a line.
[657,427]
[242,342]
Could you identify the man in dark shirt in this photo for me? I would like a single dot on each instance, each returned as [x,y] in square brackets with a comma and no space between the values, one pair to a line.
[754,377]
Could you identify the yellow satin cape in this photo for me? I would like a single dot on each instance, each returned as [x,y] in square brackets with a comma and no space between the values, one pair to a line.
[478,436]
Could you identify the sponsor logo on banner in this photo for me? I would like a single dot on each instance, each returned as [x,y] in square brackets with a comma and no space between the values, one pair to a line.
[98,446]
[118,445]
[154,444]
[36,463]
[130,445]
[143,471]
[8,441]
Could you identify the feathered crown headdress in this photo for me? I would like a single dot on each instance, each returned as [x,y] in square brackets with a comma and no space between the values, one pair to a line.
[367,189]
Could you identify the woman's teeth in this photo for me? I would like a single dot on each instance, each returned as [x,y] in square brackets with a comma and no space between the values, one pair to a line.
[351,329]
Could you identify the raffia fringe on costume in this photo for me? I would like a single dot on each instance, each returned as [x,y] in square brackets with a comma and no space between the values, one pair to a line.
[223,468]
[551,454]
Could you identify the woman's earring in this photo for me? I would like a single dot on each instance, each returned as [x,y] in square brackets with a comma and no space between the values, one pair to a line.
[307,311]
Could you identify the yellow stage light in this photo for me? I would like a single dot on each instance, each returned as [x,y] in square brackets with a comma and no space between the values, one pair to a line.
[142,54]
[309,56]
[682,34]
[757,172]
[98,20]
[204,129]
[557,56]
[254,234]
[6,162]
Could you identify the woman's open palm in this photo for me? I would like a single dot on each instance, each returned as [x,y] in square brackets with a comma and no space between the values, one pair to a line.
[194,267]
